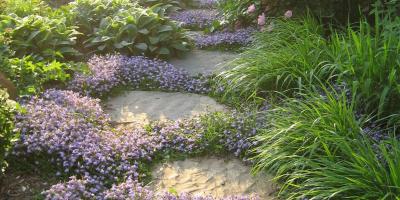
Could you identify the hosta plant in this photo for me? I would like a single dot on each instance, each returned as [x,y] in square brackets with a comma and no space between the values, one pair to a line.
[39,36]
[138,31]
[87,14]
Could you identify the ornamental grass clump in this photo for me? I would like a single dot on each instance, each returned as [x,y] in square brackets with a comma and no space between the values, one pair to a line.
[110,71]
[319,148]
[368,59]
[291,56]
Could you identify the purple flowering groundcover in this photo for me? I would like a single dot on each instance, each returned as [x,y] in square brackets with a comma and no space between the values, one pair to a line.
[104,162]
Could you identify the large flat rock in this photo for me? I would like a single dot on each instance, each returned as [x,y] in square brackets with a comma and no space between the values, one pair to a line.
[203,61]
[211,176]
[141,107]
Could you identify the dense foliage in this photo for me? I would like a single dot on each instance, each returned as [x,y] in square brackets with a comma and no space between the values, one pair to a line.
[7,134]
[338,11]
[31,76]
[287,57]
[124,27]
[328,129]
[368,57]
[39,36]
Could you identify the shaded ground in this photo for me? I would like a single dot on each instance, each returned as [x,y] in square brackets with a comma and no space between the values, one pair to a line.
[23,186]
[141,107]
[211,176]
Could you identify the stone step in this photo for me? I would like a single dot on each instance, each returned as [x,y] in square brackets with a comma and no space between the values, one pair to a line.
[218,177]
[142,107]
[203,61]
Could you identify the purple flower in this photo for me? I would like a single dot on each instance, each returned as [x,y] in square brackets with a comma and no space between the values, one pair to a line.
[196,18]
[110,71]
[240,37]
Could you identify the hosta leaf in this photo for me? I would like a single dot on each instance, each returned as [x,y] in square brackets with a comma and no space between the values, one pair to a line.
[153,48]
[69,50]
[141,46]
[144,31]
[181,47]
[165,28]
[164,51]
[101,47]
[118,45]
[154,40]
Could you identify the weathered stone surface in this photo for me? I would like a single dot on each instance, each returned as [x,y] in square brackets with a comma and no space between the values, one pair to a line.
[203,61]
[211,176]
[140,107]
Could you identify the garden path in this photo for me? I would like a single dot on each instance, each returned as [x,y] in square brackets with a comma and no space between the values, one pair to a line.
[213,176]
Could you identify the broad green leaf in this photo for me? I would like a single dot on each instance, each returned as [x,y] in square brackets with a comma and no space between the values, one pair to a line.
[141,46]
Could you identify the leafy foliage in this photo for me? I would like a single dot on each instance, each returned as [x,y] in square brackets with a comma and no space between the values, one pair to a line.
[124,27]
[369,59]
[143,32]
[39,36]
[30,76]
[87,14]
[7,110]
[321,127]
[340,11]
[23,8]
[289,57]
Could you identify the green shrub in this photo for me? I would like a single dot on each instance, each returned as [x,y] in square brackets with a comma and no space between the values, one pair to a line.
[369,60]
[121,26]
[7,110]
[30,76]
[340,11]
[87,14]
[23,8]
[39,36]
[136,32]
[291,56]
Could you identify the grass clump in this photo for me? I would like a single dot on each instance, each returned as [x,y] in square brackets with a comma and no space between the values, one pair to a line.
[318,148]
[288,57]
[368,58]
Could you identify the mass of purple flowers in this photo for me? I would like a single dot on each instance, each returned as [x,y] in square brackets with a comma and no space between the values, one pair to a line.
[110,71]
[198,18]
[104,162]
[241,37]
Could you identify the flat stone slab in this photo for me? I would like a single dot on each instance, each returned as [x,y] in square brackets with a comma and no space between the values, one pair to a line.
[211,176]
[203,61]
[141,107]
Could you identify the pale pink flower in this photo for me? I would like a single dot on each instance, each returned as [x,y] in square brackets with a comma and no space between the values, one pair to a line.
[261,19]
[251,8]
[288,14]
